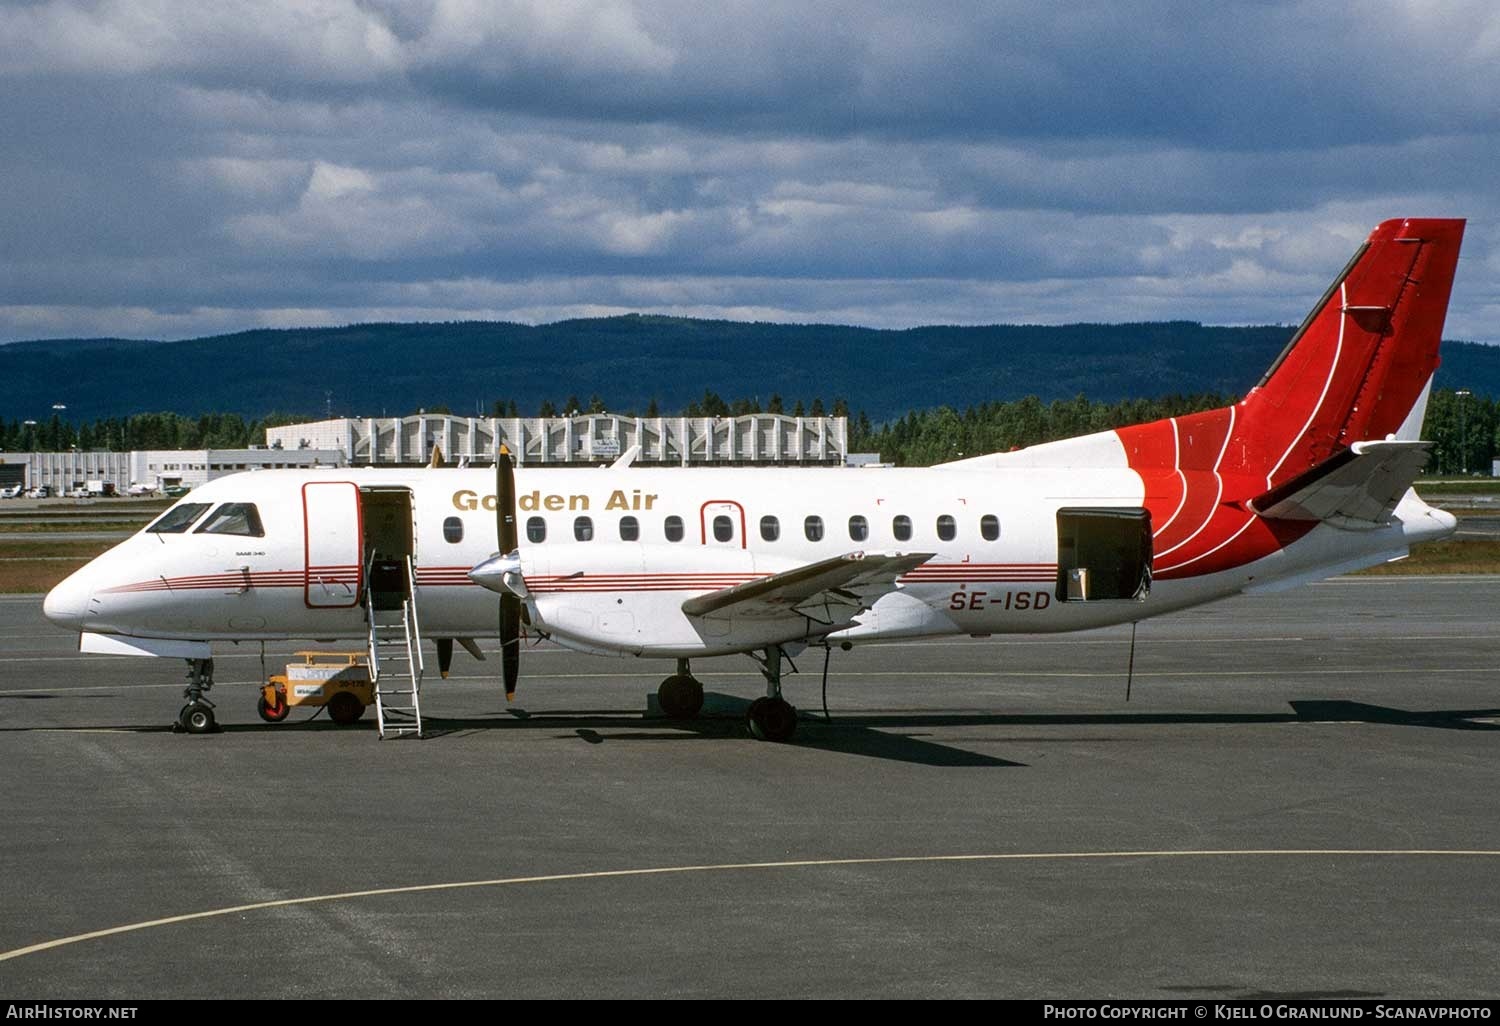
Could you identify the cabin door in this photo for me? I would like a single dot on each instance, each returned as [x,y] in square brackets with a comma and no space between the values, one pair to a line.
[1103,554]
[331,547]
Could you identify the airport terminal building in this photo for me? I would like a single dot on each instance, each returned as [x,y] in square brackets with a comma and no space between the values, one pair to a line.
[159,468]
[754,439]
[760,439]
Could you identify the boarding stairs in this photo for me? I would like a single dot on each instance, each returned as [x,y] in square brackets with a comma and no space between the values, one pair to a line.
[395,648]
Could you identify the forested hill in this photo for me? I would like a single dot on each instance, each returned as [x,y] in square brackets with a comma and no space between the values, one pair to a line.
[376,369]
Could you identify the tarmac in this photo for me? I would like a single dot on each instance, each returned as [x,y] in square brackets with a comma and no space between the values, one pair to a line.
[1299,799]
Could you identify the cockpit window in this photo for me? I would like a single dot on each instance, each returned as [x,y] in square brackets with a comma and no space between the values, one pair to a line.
[179,518]
[234,518]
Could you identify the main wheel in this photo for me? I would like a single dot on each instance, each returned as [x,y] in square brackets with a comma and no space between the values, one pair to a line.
[680,697]
[273,712]
[344,709]
[197,718]
[771,719]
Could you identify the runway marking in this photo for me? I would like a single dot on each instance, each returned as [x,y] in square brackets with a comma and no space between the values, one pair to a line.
[728,867]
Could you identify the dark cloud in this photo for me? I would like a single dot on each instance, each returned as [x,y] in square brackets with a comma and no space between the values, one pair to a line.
[176,168]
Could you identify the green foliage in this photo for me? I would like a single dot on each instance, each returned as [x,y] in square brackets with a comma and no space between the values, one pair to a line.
[142,431]
[1465,431]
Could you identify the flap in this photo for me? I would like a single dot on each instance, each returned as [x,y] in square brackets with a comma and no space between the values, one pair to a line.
[830,591]
[1356,488]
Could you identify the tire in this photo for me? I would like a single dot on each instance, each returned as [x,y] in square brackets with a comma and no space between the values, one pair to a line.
[344,709]
[771,719]
[681,698]
[197,718]
[273,713]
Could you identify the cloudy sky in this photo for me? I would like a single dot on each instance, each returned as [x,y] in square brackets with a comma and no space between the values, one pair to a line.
[171,168]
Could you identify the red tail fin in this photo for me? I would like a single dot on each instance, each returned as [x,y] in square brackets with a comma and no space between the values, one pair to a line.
[1363,357]
[1354,371]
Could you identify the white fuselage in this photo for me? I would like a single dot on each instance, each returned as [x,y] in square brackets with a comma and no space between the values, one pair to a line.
[301,578]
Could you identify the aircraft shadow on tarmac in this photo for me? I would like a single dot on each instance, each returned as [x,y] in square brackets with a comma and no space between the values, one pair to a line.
[894,735]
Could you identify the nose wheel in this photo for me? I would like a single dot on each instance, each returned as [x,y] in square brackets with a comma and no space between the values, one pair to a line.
[197,716]
[681,695]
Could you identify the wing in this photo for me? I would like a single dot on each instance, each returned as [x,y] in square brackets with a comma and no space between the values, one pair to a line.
[1356,488]
[831,592]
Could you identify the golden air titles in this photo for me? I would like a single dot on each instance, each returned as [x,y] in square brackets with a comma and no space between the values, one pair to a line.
[536,501]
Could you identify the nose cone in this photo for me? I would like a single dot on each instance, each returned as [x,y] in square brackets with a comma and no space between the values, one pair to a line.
[67,604]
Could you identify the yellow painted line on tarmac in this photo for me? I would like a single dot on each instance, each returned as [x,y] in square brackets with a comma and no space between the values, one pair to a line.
[730,867]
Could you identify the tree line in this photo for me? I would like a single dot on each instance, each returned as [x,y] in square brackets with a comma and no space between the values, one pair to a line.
[1465,428]
[141,431]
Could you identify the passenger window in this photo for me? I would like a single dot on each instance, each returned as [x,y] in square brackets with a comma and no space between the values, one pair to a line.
[946,527]
[234,518]
[178,519]
[536,530]
[583,528]
[989,526]
[770,528]
[901,528]
[813,528]
[723,529]
[630,529]
[673,527]
[859,528]
[453,530]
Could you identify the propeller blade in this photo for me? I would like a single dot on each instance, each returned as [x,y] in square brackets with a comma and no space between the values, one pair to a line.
[510,643]
[505,502]
[510,604]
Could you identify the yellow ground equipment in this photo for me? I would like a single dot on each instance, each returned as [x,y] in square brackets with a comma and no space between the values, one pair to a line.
[339,680]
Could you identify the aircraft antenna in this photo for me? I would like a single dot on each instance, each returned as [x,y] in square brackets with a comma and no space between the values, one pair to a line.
[1130,670]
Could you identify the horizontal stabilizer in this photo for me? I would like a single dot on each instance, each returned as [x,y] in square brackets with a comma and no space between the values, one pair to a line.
[830,591]
[1355,488]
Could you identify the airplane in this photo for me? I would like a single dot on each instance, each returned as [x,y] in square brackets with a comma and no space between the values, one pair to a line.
[1306,477]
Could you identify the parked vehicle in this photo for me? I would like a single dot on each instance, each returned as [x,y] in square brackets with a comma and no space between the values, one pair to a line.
[138,488]
[13,492]
[100,489]
[40,492]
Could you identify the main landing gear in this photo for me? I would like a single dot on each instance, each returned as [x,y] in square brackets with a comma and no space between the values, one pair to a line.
[197,716]
[681,695]
[771,718]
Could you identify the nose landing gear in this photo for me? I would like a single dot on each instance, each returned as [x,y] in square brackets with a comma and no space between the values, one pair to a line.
[197,716]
